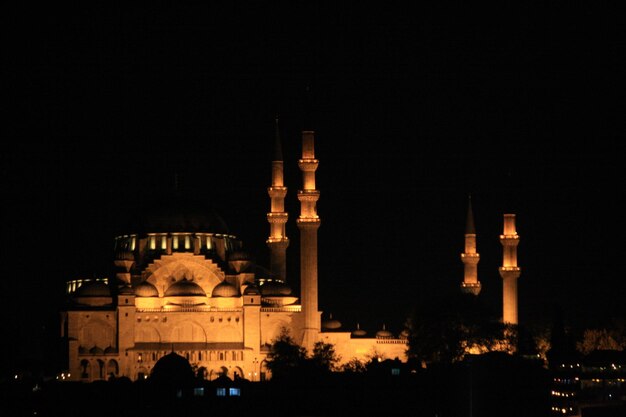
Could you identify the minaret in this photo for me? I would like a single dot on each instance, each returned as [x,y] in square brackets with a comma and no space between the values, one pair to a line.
[308,223]
[470,257]
[277,217]
[509,271]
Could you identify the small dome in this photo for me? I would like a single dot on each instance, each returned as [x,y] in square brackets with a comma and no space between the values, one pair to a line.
[331,324]
[184,288]
[126,290]
[404,333]
[274,288]
[146,289]
[252,289]
[93,289]
[224,289]
[96,351]
[358,332]
[384,333]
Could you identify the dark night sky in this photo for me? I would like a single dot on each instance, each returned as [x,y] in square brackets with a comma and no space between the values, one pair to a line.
[413,110]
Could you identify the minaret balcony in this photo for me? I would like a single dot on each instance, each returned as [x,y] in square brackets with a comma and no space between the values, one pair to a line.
[509,272]
[471,287]
[470,258]
[308,222]
[277,192]
[308,195]
[280,218]
[276,240]
[308,165]
[509,240]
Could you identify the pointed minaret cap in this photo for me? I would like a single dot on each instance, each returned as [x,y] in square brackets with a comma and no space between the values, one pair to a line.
[278,150]
[469,224]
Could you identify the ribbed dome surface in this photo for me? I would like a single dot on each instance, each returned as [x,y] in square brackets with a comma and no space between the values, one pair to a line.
[184,288]
[224,289]
[146,289]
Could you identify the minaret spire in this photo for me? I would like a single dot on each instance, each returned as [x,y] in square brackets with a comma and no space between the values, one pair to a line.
[308,223]
[509,271]
[277,217]
[470,257]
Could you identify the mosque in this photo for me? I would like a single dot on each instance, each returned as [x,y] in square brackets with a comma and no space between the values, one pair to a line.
[183,283]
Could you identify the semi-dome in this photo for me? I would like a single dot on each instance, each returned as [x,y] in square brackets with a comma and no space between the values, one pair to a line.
[224,289]
[146,289]
[275,288]
[184,288]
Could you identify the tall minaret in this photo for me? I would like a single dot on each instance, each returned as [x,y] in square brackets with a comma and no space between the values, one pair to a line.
[308,223]
[277,217]
[509,271]
[470,257]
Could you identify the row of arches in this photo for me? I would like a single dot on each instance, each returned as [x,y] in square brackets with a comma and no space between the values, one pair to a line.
[98,369]
[184,332]
[195,356]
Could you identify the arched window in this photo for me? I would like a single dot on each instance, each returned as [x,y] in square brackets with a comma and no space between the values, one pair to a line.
[85,368]
[113,368]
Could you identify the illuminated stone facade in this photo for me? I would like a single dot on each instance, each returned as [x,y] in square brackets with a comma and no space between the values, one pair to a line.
[184,283]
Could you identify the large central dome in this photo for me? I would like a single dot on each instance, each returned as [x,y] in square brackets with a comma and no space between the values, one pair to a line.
[176,214]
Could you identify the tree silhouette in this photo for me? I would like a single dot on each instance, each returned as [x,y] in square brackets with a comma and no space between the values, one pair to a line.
[324,357]
[454,325]
[285,356]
